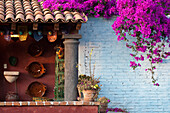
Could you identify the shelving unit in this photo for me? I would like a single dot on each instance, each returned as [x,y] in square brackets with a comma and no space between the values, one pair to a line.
[59,79]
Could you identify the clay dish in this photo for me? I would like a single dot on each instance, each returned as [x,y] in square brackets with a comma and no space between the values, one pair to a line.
[35,50]
[35,69]
[36,89]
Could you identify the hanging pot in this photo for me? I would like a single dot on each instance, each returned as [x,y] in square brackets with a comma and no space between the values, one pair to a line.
[36,89]
[38,35]
[35,69]
[52,36]
[23,33]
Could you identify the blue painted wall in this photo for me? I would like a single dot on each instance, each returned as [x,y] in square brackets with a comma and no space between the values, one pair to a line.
[126,88]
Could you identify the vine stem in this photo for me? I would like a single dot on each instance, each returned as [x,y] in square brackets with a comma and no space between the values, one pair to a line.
[90,64]
[152,72]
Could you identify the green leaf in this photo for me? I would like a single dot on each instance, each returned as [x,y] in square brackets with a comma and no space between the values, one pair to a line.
[148,11]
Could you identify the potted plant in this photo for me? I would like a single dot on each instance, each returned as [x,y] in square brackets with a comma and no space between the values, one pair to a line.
[103,104]
[88,87]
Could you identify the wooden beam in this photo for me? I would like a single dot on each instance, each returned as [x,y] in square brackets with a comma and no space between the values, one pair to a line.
[35,26]
[13,26]
[78,26]
[56,26]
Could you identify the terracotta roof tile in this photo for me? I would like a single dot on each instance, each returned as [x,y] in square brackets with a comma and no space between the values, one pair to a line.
[29,18]
[2,8]
[1,3]
[77,16]
[68,16]
[1,18]
[59,16]
[1,12]
[9,17]
[26,11]
[39,18]
[49,17]
[19,17]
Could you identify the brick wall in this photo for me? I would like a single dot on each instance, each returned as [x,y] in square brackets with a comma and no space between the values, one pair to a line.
[127,89]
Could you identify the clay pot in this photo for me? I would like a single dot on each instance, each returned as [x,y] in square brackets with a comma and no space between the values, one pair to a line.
[89,95]
[11,96]
[35,69]
[36,89]
[103,107]
[35,50]
[53,37]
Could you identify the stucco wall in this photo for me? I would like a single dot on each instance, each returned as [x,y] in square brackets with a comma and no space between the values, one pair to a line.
[127,89]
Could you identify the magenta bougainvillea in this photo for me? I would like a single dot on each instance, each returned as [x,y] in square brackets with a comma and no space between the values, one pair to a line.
[116,110]
[145,20]
[97,8]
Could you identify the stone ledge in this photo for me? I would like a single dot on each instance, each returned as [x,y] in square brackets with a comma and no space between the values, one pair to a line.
[48,103]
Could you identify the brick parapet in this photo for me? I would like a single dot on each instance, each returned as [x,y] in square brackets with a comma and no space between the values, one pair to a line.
[48,103]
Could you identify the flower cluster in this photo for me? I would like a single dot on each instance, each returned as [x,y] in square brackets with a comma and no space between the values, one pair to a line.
[146,21]
[88,83]
[116,110]
[105,8]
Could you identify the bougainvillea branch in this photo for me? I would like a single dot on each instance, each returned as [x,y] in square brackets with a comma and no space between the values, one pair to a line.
[146,21]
